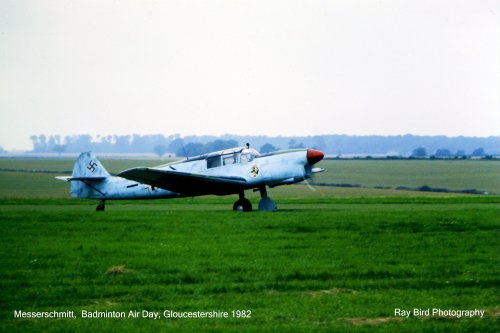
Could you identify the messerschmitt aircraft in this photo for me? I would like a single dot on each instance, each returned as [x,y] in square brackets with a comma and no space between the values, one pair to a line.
[230,171]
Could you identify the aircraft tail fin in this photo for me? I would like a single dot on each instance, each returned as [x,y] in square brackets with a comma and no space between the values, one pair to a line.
[88,167]
[88,178]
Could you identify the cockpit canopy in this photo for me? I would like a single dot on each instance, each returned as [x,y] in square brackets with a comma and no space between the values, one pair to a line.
[248,154]
[231,156]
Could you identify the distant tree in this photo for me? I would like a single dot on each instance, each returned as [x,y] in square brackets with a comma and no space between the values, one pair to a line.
[122,143]
[292,144]
[52,142]
[319,143]
[34,142]
[419,152]
[82,143]
[59,148]
[191,149]
[460,153]
[443,153]
[479,152]
[219,145]
[267,148]
[39,143]
[176,145]
[160,150]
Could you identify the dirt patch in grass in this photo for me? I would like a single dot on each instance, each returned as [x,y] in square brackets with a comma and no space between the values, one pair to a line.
[118,270]
[373,321]
[493,312]
[331,292]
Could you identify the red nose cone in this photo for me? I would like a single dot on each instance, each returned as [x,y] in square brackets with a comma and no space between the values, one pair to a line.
[314,156]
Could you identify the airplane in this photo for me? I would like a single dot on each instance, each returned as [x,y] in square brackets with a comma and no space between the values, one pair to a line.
[224,172]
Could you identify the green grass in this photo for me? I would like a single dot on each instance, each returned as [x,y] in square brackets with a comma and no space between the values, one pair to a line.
[44,185]
[39,185]
[450,174]
[316,265]
[454,175]
[334,259]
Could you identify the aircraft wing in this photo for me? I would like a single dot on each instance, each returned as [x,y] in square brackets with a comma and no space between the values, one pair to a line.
[185,183]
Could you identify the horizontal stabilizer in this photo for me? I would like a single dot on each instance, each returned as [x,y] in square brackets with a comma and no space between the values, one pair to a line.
[87,179]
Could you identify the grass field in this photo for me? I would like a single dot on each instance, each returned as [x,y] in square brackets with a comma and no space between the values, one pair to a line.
[450,174]
[481,175]
[331,260]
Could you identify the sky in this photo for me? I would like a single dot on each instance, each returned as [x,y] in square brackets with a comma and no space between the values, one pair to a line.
[259,67]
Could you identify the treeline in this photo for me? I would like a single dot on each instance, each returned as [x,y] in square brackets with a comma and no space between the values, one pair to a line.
[337,145]
[158,144]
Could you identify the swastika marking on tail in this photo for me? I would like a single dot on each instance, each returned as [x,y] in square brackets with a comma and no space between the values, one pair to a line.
[91,166]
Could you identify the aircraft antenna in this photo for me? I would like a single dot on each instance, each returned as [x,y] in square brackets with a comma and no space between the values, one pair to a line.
[184,150]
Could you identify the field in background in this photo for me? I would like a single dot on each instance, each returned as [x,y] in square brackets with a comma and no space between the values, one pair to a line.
[481,175]
[337,259]
[454,175]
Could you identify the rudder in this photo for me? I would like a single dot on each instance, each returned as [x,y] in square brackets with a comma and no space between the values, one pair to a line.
[88,178]
[88,166]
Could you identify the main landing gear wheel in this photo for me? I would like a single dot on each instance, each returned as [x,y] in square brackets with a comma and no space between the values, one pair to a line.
[266,204]
[100,206]
[243,204]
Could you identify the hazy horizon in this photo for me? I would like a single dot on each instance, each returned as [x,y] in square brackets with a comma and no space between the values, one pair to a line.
[248,68]
[329,144]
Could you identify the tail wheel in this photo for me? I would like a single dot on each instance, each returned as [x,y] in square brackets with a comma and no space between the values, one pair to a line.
[100,206]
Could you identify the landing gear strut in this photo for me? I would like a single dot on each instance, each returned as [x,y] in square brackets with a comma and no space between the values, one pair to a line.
[100,206]
[243,204]
[266,203]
